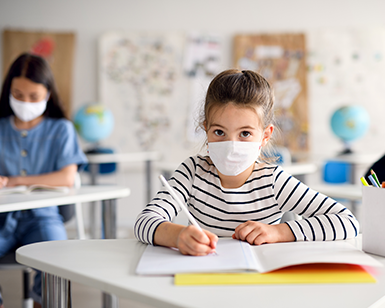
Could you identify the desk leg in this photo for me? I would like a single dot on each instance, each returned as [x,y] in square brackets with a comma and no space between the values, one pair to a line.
[94,169]
[110,301]
[148,181]
[109,218]
[109,223]
[55,292]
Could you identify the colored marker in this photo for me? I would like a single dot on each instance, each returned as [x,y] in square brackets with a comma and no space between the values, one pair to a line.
[373,181]
[375,177]
[364,181]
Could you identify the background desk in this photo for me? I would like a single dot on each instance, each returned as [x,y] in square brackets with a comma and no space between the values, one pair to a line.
[109,265]
[148,157]
[349,192]
[106,193]
[345,191]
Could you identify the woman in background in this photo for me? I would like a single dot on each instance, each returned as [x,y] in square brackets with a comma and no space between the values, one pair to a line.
[38,145]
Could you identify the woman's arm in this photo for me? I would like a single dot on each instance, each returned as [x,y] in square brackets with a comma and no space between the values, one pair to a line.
[63,177]
[3,181]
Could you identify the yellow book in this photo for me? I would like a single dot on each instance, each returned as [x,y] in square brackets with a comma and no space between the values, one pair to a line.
[299,274]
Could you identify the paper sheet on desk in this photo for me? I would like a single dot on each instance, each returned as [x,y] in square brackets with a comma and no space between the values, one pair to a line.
[238,256]
[231,255]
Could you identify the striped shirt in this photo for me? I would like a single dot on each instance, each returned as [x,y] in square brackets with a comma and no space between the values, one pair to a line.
[264,197]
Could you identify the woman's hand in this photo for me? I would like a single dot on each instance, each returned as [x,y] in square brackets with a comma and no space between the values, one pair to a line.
[192,241]
[256,233]
[3,181]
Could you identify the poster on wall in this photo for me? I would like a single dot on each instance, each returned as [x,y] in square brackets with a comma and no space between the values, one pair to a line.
[56,47]
[281,59]
[346,67]
[201,62]
[139,74]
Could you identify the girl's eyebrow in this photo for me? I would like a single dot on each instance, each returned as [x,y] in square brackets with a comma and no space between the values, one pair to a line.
[247,127]
[239,128]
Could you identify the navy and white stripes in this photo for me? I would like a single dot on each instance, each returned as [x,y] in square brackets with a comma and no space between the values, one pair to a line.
[266,195]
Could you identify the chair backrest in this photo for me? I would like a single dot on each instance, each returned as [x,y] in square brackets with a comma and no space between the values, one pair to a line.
[336,172]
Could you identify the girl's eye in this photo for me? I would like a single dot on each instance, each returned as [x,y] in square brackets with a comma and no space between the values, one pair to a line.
[245,134]
[17,96]
[219,132]
[34,98]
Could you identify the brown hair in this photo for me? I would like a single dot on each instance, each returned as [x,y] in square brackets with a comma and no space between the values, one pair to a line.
[245,89]
[37,70]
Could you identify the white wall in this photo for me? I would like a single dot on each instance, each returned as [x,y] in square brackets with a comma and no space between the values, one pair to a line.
[90,18]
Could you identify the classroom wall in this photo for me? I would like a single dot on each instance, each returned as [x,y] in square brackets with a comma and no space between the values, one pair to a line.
[91,18]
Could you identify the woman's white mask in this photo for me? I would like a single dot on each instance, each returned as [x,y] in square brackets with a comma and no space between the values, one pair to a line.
[233,157]
[26,111]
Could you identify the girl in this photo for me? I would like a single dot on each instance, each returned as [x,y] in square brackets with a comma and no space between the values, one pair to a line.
[37,146]
[232,191]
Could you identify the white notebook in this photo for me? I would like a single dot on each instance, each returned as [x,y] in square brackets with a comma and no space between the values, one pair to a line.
[27,189]
[237,256]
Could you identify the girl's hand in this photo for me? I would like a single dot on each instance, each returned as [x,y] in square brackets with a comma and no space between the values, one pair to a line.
[3,181]
[256,233]
[192,241]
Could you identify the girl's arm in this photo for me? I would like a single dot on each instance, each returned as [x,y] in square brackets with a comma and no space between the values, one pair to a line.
[189,240]
[257,233]
[63,177]
[154,224]
[323,219]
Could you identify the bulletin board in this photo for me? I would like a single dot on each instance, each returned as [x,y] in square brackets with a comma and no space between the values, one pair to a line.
[281,59]
[56,48]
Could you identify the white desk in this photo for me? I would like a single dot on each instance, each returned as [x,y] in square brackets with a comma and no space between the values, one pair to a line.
[95,159]
[148,157]
[38,199]
[109,265]
[105,193]
[341,191]
[300,168]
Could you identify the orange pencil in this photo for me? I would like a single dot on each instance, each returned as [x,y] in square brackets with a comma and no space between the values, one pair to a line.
[375,177]
[383,185]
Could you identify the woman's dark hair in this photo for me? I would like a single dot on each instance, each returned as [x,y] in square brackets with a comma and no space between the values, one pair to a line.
[37,70]
[246,89]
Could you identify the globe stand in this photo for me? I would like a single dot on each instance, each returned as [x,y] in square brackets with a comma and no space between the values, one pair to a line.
[104,168]
[347,149]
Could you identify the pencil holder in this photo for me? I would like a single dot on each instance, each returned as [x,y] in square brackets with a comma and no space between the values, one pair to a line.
[373,222]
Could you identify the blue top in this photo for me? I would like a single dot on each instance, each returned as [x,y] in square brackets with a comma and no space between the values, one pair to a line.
[47,147]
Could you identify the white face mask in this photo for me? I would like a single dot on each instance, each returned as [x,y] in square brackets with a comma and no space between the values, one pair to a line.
[26,111]
[233,157]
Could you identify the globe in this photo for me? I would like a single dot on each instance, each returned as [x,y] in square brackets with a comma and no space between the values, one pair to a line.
[350,123]
[94,122]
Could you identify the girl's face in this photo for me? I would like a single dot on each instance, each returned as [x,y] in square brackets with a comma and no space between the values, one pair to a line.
[23,89]
[232,123]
